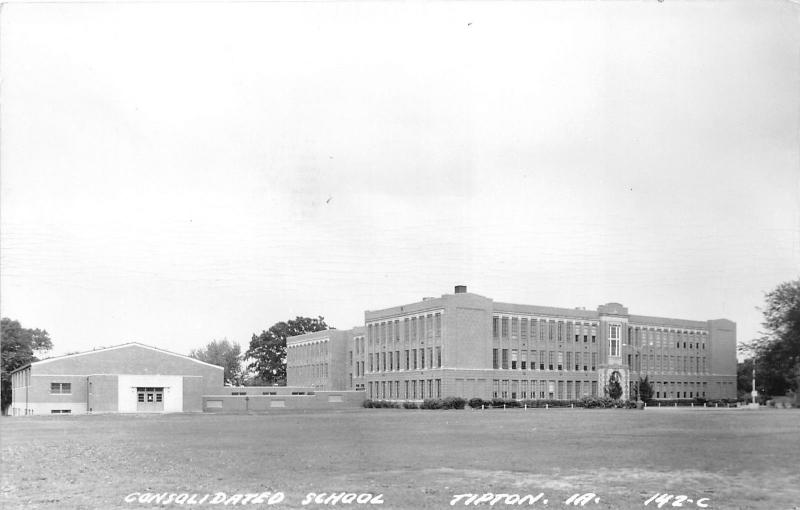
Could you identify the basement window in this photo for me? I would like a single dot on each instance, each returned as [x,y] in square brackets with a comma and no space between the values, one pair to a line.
[61,411]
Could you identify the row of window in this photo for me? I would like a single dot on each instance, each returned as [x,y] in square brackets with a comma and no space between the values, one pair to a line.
[547,360]
[406,390]
[240,393]
[543,389]
[318,371]
[309,353]
[421,327]
[412,359]
[679,389]
[540,329]
[544,329]
[664,363]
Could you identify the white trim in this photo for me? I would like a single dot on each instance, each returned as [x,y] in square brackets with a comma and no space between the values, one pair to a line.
[123,346]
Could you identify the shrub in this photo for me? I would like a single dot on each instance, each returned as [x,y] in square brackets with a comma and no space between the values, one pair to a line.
[377,404]
[477,403]
[410,405]
[454,403]
[432,403]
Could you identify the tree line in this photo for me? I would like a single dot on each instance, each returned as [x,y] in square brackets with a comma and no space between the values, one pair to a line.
[266,353]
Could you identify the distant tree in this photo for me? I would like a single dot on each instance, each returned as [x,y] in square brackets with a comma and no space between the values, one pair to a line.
[18,347]
[268,350]
[225,354]
[645,389]
[614,387]
[744,379]
[777,353]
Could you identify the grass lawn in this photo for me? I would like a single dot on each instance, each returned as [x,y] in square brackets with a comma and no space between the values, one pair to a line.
[416,459]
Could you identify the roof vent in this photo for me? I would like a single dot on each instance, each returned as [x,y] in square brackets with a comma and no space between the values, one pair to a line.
[461,289]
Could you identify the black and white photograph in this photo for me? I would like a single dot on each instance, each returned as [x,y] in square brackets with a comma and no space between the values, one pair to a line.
[400,254]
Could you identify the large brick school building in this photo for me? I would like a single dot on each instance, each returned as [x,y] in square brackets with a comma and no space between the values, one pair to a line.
[467,345]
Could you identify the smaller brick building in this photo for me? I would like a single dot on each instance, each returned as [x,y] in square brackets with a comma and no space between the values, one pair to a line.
[126,378]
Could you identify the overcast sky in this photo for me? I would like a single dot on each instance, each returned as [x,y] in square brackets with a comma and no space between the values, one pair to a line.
[178,173]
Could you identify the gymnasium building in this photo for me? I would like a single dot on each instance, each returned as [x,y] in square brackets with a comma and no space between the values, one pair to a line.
[126,378]
[467,345]
[136,378]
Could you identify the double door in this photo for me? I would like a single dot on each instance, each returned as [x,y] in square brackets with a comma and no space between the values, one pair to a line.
[150,399]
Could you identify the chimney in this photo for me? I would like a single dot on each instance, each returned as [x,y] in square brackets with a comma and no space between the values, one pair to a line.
[461,289]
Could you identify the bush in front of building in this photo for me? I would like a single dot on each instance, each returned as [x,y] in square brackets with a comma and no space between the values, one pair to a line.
[432,403]
[410,405]
[597,402]
[454,403]
[380,404]
[687,402]
[477,403]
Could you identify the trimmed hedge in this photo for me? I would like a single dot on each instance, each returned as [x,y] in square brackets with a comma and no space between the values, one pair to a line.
[378,404]
[501,403]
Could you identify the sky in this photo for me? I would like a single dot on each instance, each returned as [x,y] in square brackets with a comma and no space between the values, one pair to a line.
[182,172]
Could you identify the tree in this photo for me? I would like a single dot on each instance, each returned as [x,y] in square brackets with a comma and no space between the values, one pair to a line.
[268,350]
[744,379]
[614,387]
[18,347]
[225,354]
[645,389]
[777,353]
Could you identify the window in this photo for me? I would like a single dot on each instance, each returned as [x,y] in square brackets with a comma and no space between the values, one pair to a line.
[504,353]
[422,358]
[614,339]
[504,327]
[495,358]
[61,411]
[560,360]
[232,393]
[269,392]
[414,357]
[496,327]
[438,357]
[514,359]
[61,388]
[550,360]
